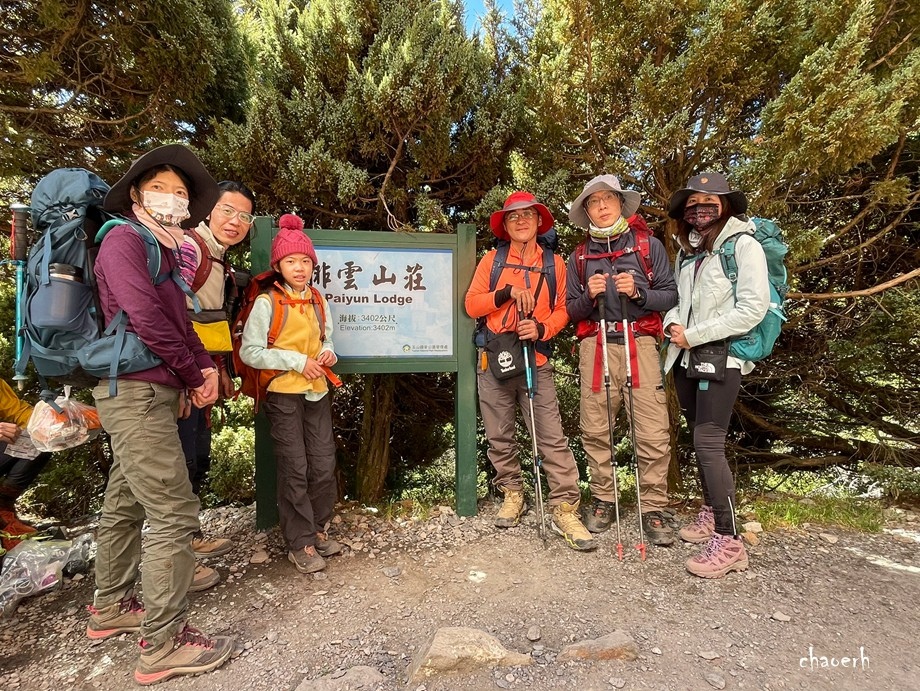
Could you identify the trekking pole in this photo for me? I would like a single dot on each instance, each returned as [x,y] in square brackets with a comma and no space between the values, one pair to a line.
[624,305]
[18,247]
[601,308]
[538,485]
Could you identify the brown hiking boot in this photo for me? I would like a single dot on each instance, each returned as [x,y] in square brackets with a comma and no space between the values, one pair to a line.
[703,528]
[205,578]
[190,652]
[723,553]
[120,617]
[326,547]
[656,529]
[307,560]
[567,524]
[511,509]
[600,516]
[203,547]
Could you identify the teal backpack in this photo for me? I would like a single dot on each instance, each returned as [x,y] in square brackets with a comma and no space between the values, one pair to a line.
[758,343]
[63,331]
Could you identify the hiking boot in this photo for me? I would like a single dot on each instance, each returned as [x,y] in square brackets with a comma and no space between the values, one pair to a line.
[703,528]
[511,509]
[600,516]
[120,617]
[307,560]
[326,547]
[205,578]
[566,523]
[203,547]
[723,553]
[656,529]
[190,652]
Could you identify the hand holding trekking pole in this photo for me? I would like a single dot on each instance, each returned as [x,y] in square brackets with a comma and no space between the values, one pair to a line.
[18,252]
[602,312]
[531,389]
[629,338]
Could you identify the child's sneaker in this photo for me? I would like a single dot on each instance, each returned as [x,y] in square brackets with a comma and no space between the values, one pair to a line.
[723,553]
[307,560]
[326,547]
[190,652]
[121,617]
[703,528]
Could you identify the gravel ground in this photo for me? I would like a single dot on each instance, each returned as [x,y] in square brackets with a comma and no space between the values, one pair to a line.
[832,592]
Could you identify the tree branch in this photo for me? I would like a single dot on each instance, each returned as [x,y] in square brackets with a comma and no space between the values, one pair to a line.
[881,287]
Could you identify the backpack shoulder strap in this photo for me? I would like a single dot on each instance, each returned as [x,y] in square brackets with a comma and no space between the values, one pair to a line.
[727,255]
[549,269]
[644,247]
[203,270]
[499,261]
[320,312]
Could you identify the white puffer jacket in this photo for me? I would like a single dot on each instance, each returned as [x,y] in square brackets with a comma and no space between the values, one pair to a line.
[707,307]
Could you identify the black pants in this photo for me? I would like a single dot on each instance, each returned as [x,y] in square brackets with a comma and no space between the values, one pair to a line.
[195,434]
[305,458]
[708,414]
[18,474]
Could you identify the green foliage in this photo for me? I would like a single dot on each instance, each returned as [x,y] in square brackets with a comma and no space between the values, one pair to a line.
[232,476]
[792,512]
[72,484]
[90,84]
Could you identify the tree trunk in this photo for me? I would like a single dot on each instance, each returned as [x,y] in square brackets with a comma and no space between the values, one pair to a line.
[374,456]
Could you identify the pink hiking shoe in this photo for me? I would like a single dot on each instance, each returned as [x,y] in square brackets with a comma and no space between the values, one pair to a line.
[703,528]
[723,553]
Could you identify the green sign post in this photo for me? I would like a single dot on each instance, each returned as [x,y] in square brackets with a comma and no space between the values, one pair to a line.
[380,330]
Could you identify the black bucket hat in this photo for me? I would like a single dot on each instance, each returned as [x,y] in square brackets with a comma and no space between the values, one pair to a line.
[202,197]
[710,183]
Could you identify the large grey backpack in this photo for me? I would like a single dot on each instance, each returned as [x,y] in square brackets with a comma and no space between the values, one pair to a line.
[63,331]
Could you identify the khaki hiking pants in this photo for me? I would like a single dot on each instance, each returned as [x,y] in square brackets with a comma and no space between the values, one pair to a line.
[498,402]
[148,480]
[651,420]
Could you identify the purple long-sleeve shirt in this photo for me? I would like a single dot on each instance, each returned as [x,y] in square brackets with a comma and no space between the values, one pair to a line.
[156,313]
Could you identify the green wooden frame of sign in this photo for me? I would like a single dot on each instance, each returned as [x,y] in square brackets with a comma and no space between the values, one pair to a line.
[463,361]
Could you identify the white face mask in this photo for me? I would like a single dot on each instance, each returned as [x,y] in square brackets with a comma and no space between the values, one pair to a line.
[166,208]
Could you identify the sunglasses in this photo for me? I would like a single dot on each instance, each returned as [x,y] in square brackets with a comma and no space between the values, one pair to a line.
[228,212]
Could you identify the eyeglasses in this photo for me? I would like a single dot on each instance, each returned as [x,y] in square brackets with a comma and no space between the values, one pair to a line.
[228,212]
[607,199]
[515,216]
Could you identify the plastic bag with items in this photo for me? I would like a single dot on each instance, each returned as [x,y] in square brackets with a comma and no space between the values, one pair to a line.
[75,424]
[31,567]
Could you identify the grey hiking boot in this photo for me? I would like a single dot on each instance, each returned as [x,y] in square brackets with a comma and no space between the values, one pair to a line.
[599,516]
[656,528]
[703,528]
[326,547]
[511,510]
[121,617]
[723,553]
[189,653]
[307,560]
[567,524]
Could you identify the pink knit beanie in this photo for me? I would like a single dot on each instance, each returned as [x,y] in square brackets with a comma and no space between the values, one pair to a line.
[291,240]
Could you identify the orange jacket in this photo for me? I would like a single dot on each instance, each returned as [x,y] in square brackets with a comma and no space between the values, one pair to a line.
[480,301]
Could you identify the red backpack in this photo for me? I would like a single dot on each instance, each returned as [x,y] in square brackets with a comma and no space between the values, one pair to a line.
[255,381]
[649,324]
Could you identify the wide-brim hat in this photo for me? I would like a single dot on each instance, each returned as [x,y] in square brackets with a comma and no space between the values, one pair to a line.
[578,215]
[202,197]
[520,200]
[708,183]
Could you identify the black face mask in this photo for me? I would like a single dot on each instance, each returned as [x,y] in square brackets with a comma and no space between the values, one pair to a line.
[701,216]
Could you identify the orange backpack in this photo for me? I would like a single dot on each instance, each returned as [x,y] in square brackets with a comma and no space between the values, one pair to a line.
[255,381]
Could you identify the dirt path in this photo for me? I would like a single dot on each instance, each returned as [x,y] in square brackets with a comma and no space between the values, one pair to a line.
[456,572]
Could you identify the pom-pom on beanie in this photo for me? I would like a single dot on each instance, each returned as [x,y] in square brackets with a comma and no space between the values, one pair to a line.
[291,240]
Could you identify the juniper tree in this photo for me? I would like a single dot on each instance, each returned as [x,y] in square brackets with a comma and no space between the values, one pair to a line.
[93,83]
[374,116]
[813,109]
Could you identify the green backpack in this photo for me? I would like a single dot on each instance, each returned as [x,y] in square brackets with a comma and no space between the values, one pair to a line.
[758,343]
